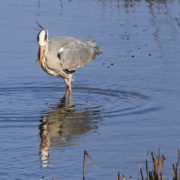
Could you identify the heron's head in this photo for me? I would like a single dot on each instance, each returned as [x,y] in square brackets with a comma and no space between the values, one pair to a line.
[42,39]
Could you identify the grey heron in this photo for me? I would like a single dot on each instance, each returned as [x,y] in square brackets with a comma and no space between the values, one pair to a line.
[62,56]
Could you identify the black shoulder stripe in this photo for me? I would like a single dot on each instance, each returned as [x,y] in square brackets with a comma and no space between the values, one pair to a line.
[59,55]
[68,72]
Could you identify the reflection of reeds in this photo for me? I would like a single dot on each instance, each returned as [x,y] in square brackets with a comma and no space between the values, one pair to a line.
[158,163]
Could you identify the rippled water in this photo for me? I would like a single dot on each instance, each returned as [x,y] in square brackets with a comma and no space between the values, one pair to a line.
[123,104]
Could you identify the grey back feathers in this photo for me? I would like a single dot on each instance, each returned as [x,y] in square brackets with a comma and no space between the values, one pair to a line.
[73,53]
[95,46]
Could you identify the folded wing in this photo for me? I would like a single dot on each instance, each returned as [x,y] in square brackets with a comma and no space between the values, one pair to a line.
[76,54]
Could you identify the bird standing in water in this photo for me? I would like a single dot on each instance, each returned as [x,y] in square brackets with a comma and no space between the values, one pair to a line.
[62,56]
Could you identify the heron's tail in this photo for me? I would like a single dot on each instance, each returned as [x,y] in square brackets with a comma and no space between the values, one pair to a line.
[95,46]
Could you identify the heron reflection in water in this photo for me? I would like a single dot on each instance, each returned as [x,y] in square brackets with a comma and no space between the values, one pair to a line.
[62,124]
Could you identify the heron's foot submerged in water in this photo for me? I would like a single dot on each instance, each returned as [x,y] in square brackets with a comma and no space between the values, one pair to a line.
[68,91]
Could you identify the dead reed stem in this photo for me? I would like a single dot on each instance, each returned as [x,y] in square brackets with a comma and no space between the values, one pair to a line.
[174,171]
[147,177]
[84,159]
[156,166]
[122,177]
[89,158]
[140,172]
[162,166]
[179,162]
[118,176]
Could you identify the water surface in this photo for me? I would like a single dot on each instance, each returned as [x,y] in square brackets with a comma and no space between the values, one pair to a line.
[123,104]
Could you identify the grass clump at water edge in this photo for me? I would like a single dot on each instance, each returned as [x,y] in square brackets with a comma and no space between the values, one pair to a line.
[155,174]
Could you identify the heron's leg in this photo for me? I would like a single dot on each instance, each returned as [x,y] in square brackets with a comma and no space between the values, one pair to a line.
[67,90]
[68,84]
[69,87]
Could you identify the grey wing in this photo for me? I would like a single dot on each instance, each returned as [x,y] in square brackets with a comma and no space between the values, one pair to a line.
[73,57]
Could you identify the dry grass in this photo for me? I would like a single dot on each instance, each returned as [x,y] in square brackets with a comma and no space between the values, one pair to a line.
[158,164]
[155,174]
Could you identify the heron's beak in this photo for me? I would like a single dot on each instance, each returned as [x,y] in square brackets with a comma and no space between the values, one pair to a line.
[41,54]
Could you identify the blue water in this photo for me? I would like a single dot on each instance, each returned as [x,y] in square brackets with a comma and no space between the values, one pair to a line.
[124,103]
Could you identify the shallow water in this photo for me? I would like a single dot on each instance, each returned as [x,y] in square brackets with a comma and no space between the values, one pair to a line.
[123,104]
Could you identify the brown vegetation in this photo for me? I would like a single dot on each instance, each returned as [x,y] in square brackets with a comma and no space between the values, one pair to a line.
[155,174]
